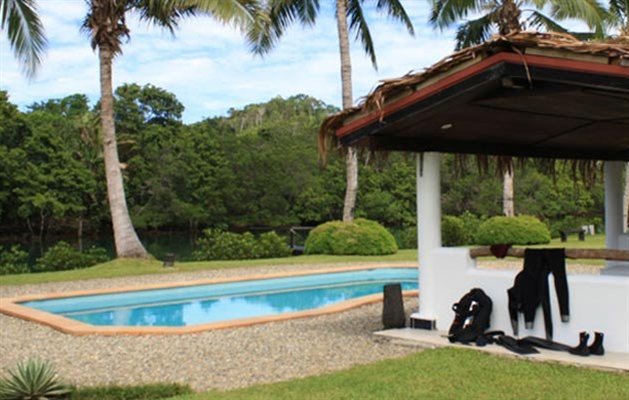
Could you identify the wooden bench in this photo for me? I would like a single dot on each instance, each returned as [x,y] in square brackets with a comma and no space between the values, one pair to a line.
[564,234]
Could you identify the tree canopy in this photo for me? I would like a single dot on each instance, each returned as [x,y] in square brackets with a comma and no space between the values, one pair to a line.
[255,167]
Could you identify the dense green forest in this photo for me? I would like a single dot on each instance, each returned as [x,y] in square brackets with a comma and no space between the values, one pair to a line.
[255,167]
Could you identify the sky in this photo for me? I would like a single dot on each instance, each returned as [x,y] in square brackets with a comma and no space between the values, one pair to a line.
[209,67]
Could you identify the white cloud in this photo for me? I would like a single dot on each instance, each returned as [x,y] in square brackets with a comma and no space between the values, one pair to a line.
[209,67]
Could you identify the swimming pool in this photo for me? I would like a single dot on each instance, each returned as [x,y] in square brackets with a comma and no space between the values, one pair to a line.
[219,304]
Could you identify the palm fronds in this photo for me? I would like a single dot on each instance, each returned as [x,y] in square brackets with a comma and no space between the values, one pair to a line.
[358,24]
[473,32]
[25,33]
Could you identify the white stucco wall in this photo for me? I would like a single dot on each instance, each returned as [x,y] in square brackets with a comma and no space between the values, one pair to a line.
[597,303]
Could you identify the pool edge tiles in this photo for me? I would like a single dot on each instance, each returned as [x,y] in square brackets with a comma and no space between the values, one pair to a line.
[12,306]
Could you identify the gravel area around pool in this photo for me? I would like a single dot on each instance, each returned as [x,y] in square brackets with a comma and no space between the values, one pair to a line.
[221,359]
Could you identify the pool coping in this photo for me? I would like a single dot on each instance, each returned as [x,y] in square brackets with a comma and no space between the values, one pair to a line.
[10,306]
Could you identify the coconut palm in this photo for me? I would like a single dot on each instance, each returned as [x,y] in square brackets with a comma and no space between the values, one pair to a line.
[507,16]
[349,17]
[107,27]
[24,31]
[619,10]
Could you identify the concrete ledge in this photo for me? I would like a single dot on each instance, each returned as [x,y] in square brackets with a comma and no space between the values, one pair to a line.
[10,306]
[597,302]
[434,339]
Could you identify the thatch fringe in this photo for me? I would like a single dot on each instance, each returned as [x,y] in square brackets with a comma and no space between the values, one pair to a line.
[586,171]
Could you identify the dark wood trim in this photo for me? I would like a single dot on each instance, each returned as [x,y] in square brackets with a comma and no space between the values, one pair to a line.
[390,143]
[531,61]
[590,254]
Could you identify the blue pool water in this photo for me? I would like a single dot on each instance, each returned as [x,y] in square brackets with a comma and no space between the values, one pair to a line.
[193,305]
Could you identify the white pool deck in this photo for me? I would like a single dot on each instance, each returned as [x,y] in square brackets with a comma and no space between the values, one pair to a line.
[434,339]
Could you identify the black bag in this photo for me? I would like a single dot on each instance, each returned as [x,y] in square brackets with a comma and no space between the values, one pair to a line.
[471,318]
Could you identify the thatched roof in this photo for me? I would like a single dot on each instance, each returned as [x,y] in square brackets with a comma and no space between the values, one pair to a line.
[613,52]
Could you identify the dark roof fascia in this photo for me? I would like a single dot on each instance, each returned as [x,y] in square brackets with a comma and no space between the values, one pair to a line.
[611,83]
[387,143]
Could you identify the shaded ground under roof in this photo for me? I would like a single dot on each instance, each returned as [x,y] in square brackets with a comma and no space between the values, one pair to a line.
[525,95]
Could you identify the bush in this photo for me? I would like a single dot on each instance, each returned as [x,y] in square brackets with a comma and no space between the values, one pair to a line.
[361,237]
[13,261]
[216,244]
[62,256]
[453,232]
[513,230]
[35,380]
[406,238]
[270,245]
[141,392]
[471,223]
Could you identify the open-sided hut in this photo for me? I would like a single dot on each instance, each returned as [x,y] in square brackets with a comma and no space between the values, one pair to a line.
[521,95]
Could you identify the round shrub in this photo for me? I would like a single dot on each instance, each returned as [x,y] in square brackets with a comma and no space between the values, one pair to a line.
[521,230]
[361,237]
[452,231]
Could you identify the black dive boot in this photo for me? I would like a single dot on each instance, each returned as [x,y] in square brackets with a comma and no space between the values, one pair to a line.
[582,349]
[597,346]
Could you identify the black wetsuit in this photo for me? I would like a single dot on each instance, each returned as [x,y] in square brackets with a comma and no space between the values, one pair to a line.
[531,288]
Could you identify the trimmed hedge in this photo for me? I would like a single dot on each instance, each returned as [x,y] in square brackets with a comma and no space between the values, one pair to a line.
[361,237]
[140,392]
[453,232]
[521,230]
[471,223]
[406,237]
[216,244]
[63,256]
[13,261]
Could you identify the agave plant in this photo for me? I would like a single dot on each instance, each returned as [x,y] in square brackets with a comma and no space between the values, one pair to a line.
[33,380]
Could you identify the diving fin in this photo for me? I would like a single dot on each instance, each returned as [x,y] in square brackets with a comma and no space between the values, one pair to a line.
[545,344]
[512,344]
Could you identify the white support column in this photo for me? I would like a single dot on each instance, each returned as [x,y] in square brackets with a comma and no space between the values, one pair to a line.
[428,231]
[613,211]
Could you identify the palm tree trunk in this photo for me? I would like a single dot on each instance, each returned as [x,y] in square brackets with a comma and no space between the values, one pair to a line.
[126,240]
[351,161]
[626,219]
[508,206]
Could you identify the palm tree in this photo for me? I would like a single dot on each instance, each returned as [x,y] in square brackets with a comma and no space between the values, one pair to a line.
[25,33]
[504,17]
[349,17]
[107,27]
[626,198]
[619,10]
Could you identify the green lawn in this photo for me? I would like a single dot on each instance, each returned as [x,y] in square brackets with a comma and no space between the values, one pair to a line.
[128,267]
[120,268]
[444,373]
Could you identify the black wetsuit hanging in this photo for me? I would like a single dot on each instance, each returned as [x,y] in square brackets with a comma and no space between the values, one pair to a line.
[530,288]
